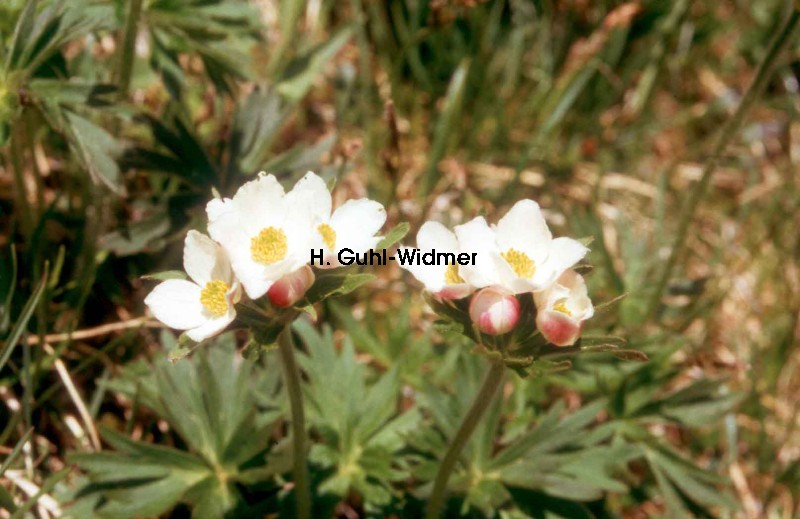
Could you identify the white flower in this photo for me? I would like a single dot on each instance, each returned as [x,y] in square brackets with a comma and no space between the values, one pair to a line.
[352,225]
[519,253]
[203,306]
[562,309]
[494,311]
[440,279]
[266,233]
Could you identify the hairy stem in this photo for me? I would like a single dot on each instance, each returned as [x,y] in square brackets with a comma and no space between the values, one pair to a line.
[763,73]
[471,420]
[292,376]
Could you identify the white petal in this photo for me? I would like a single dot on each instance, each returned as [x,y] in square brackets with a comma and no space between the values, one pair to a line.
[475,236]
[433,235]
[204,259]
[260,203]
[210,328]
[311,190]
[254,281]
[356,222]
[176,303]
[300,231]
[523,228]
[218,207]
[563,254]
[432,276]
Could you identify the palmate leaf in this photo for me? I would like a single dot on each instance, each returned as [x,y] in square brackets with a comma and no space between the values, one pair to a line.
[360,424]
[685,486]
[180,152]
[258,118]
[222,409]
[38,36]
[563,456]
[217,31]
[140,478]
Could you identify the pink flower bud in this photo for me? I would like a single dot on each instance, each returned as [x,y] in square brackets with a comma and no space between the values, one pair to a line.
[494,311]
[291,288]
[562,309]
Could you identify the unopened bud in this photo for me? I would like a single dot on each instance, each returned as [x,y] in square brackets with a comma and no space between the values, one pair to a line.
[291,288]
[494,311]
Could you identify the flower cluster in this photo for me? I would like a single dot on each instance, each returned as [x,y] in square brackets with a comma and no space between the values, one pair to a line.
[260,243]
[517,255]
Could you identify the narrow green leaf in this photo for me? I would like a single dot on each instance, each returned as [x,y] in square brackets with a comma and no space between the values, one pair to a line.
[397,233]
[15,452]
[445,125]
[22,320]
[303,71]
[22,32]
[165,275]
[46,488]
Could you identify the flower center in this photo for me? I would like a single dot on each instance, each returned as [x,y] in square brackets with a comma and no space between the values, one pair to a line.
[269,246]
[451,276]
[520,263]
[213,297]
[328,234]
[561,306]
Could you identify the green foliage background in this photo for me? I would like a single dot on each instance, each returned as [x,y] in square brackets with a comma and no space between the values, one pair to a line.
[119,117]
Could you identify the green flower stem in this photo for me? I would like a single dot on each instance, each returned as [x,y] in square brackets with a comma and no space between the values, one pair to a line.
[763,73]
[292,375]
[483,399]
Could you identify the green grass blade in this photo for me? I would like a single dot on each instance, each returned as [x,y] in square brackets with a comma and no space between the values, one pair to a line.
[22,322]
[15,452]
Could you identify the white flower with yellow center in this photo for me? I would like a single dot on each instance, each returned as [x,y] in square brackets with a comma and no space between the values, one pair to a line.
[562,309]
[266,234]
[443,280]
[519,253]
[203,306]
[351,226]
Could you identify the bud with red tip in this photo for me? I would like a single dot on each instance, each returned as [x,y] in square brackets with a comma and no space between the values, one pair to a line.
[292,287]
[563,308]
[494,310]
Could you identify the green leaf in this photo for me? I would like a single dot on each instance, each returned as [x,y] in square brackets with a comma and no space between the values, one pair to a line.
[22,32]
[46,487]
[329,284]
[97,149]
[15,452]
[178,354]
[302,72]
[445,124]
[397,233]
[165,275]
[22,320]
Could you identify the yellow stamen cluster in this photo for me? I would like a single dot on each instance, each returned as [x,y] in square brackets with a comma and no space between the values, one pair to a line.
[561,306]
[520,263]
[328,235]
[269,246]
[451,276]
[213,297]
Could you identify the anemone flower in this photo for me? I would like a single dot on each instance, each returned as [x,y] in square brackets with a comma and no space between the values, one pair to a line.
[519,253]
[203,306]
